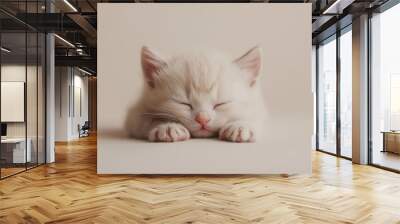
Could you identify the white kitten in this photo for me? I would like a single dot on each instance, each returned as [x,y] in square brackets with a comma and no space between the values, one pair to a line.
[199,94]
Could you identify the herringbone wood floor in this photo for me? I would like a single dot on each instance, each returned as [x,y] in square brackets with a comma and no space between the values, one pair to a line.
[70,191]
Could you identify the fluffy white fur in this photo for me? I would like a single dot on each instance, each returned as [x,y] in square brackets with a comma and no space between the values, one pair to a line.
[198,95]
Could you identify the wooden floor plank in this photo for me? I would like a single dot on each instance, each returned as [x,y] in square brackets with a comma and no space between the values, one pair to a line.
[70,191]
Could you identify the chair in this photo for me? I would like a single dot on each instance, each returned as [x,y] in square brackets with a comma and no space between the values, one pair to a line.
[84,130]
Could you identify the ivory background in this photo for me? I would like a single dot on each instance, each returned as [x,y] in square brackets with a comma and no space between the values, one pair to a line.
[283,31]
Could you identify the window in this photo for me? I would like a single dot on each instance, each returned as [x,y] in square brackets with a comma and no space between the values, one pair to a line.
[385,89]
[346,93]
[335,74]
[22,77]
[327,96]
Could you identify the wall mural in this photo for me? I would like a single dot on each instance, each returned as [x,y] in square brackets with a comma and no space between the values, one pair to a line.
[204,88]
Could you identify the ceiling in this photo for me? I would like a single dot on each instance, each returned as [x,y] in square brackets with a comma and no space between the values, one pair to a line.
[76,22]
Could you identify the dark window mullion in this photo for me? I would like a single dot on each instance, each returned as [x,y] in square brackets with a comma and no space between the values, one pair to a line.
[317,96]
[369,91]
[0,96]
[37,90]
[26,87]
[338,91]
[44,76]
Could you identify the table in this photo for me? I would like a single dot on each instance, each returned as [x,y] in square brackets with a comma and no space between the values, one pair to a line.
[13,150]
[391,141]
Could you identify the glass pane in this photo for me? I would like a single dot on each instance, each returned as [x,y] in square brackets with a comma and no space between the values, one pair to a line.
[13,86]
[386,89]
[314,86]
[22,89]
[346,93]
[31,100]
[41,99]
[327,96]
[31,88]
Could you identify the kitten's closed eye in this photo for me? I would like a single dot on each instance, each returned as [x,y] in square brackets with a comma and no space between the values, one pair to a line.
[220,104]
[187,105]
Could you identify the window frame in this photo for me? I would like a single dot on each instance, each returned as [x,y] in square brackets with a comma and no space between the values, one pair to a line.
[334,37]
[381,9]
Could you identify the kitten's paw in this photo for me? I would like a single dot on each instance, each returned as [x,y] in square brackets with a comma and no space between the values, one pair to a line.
[236,132]
[169,132]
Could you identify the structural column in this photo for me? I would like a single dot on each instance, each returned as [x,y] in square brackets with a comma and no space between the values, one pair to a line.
[360,90]
[50,92]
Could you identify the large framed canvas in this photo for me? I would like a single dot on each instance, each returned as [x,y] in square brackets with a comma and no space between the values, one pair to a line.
[204,88]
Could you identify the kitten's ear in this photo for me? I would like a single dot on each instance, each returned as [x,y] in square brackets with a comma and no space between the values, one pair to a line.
[251,62]
[151,64]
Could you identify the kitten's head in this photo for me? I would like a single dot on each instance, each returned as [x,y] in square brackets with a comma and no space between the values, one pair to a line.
[201,90]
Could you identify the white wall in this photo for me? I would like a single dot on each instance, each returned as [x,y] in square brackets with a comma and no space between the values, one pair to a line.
[80,110]
[67,116]
[11,73]
[15,72]
[62,81]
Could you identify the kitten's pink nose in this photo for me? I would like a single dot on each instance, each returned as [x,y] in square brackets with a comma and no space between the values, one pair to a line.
[202,118]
